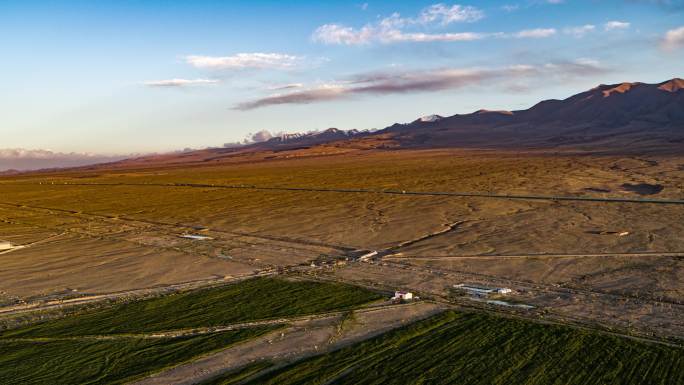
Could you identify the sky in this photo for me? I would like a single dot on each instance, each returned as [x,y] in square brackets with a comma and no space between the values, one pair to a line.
[102,79]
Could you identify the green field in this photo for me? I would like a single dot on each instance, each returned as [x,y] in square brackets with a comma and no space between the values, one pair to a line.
[454,348]
[254,299]
[88,361]
[98,346]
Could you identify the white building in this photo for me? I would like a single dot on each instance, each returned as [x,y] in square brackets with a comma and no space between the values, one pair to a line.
[4,245]
[367,256]
[195,237]
[403,295]
[483,291]
[475,289]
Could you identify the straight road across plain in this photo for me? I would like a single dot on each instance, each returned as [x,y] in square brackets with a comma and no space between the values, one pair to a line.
[391,192]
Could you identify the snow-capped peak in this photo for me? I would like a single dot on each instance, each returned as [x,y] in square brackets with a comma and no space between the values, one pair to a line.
[430,118]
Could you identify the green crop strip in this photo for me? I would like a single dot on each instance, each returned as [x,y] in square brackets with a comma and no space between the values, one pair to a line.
[254,299]
[115,344]
[67,362]
[454,348]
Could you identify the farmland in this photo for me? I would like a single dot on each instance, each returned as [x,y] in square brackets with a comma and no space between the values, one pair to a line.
[250,300]
[457,348]
[125,341]
[116,361]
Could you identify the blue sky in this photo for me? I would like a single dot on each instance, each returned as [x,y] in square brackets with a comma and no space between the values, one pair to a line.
[121,77]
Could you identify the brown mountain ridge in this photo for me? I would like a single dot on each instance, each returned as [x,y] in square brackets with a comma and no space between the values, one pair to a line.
[617,118]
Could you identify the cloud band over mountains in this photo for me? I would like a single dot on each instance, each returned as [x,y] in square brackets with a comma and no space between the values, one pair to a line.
[386,83]
[24,159]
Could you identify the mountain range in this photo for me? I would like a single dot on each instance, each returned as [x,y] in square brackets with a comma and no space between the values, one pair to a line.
[610,118]
[616,118]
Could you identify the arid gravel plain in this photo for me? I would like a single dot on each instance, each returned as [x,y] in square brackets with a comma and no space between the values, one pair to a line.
[607,263]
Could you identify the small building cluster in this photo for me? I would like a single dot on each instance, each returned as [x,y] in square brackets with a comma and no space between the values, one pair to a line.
[329,263]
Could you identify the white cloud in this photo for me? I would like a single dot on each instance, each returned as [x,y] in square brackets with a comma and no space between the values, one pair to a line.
[587,61]
[615,24]
[260,136]
[25,159]
[428,37]
[517,68]
[445,15]
[510,7]
[392,29]
[285,86]
[555,1]
[339,34]
[180,82]
[674,38]
[389,31]
[579,31]
[536,33]
[238,61]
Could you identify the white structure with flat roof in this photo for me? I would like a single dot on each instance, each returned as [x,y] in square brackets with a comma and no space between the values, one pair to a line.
[484,291]
[4,245]
[403,295]
[195,237]
[367,256]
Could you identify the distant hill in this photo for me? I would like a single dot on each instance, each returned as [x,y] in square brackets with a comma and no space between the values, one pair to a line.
[613,118]
[616,105]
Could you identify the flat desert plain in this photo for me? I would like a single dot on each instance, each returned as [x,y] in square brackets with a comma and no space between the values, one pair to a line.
[612,261]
